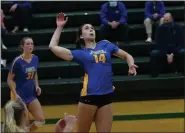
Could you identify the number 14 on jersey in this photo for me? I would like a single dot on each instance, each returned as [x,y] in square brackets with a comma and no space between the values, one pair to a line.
[99,58]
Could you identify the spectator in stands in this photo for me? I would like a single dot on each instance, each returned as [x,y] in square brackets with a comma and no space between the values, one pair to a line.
[3,29]
[21,14]
[3,32]
[3,61]
[113,17]
[16,118]
[170,46]
[154,11]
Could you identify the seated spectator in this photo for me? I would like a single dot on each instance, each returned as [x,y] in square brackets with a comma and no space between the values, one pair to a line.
[21,14]
[154,11]
[3,29]
[170,46]
[114,21]
[3,32]
[3,62]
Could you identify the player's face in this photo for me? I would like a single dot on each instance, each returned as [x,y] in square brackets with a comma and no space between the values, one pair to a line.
[88,32]
[28,45]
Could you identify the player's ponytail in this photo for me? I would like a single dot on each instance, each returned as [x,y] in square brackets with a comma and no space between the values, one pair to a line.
[13,114]
[80,43]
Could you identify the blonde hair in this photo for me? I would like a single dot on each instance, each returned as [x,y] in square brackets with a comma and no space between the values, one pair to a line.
[13,114]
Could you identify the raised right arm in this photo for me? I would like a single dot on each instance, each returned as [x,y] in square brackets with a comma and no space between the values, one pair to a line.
[59,51]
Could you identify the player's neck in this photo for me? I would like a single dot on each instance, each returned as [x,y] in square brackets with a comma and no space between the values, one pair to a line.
[26,56]
[90,44]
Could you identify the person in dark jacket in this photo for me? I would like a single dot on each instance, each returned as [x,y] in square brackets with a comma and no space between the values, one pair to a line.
[170,46]
[154,11]
[113,17]
[21,14]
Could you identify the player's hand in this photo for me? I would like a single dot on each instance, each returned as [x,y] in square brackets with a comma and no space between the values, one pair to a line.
[13,8]
[60,125]
[38,90]
[132,70]
[70,119]
[60,20]
[115,24]
[68,122]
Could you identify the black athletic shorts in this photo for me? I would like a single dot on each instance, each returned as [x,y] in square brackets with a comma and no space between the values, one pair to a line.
[97,100]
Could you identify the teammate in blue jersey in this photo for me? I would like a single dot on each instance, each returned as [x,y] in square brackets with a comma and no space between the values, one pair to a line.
[23,81]
[95,58]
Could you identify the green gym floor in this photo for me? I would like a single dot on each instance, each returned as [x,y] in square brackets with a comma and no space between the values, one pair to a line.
[141,116]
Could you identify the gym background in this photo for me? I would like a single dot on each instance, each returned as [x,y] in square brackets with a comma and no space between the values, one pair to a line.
[142,103]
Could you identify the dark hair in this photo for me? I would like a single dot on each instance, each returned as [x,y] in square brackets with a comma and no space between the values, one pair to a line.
[23,41]
[80,43]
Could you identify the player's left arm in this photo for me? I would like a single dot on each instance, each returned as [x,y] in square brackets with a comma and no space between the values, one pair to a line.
[125,56]
[130,60]
[116,51]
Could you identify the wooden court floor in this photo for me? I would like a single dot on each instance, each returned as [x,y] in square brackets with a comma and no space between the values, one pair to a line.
[141,116]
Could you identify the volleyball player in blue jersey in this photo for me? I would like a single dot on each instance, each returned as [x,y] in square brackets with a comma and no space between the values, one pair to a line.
[23,81]
[95,58]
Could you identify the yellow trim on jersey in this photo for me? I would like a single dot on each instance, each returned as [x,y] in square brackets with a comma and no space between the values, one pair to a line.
[85,82]
[23,57]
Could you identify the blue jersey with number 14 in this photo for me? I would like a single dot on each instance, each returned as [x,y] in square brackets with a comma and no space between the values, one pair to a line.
[24,77]
[98,67]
